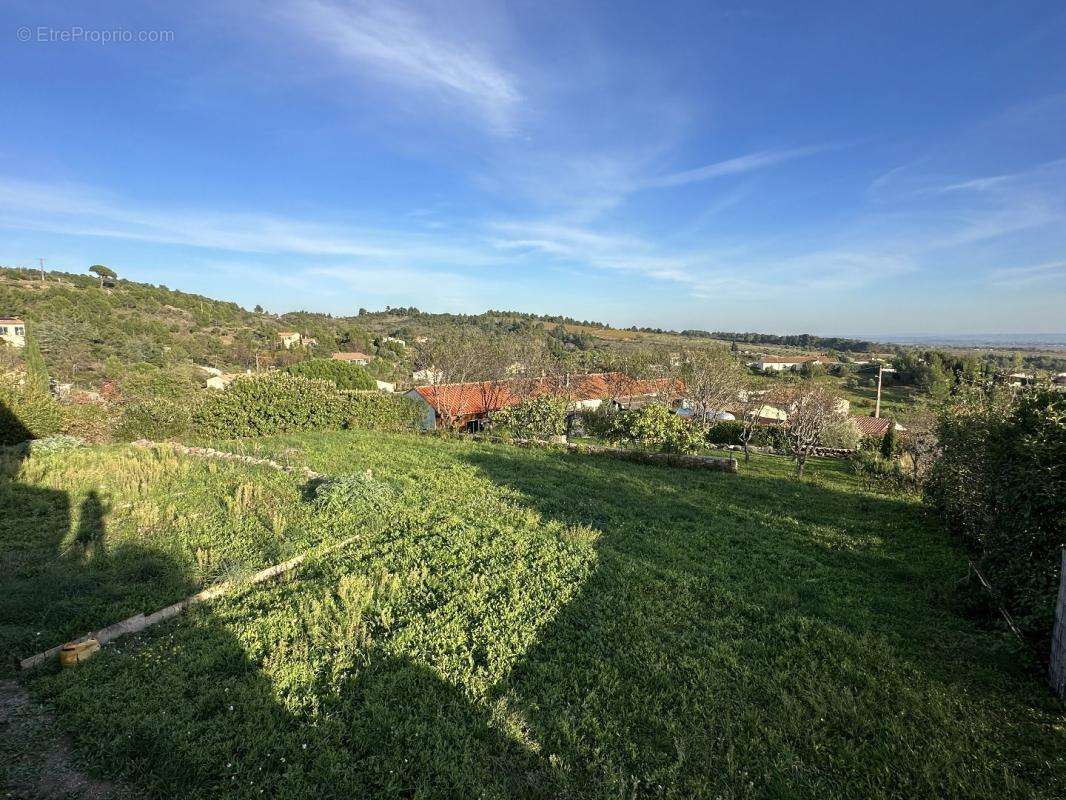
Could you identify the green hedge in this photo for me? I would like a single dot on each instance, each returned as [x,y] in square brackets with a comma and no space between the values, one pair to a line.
[281,403]
[340,373]
[1000,484]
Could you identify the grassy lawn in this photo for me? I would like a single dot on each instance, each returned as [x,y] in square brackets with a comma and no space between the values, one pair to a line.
[896,401]
[527,623]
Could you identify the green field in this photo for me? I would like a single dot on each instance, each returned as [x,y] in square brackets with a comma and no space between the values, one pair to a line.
[516,623]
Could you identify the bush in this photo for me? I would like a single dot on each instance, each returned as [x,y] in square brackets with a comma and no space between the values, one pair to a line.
[378,411]
[657,427]
[1000,484]
[535,417]
[358,494]
[888,442]
[843,433]
[277,402]
[154,418]
[725,432]
[27,413]
[340,373]
[54,444]
[879,469]
[93,422]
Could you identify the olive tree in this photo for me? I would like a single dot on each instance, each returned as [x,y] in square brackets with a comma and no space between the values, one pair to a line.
[813,411]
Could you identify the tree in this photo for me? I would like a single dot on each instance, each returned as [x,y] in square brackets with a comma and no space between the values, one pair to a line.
[340,373]
[920,442]
[258,309]
[36,372]
[536,417]
[711,379]
[452,356]
[812,411]
[103,272]
[888,441]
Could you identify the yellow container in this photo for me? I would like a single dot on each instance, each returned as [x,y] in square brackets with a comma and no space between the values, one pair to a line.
[75,652]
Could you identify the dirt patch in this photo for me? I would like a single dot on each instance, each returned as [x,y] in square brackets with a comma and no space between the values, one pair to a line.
[37,759]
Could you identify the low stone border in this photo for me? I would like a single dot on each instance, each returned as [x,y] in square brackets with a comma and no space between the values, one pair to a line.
[222,455]
[824,452]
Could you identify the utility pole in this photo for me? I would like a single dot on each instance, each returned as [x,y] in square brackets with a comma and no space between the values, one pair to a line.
[877,408]
[41,260]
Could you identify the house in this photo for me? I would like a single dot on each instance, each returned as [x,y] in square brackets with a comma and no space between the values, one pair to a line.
[426,376]
[875,427]
[362,359]
[470,404]
[289,339]
[310,341]
[782,363]
[385,386]
[1019,379]
[400,342]
[1060,379]
[13,331]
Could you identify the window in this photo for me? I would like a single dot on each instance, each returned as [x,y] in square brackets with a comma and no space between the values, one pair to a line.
[20,331]
[3,330]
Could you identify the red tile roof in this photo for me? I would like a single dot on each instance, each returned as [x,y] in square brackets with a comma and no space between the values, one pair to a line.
[465,399]
[875,427]
[351,357]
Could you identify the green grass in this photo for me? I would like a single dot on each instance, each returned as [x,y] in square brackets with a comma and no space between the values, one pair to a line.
[527,623]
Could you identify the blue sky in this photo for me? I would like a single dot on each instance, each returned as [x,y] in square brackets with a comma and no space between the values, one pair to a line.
[838,169]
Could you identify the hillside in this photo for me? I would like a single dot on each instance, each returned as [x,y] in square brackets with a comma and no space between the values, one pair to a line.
[515,623]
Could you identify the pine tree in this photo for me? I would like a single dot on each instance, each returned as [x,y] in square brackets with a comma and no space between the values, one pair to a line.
[888,441]
[36,370]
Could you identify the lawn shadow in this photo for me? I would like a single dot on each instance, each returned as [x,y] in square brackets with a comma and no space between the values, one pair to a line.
[60,583]
[767,621]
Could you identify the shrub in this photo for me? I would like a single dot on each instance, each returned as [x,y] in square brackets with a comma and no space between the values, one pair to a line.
[535,417]
[27,413]
[358,494]
[378,411]
[842,433]
[260,405]
[1000,484]
[340,373]
[154,418]
[888,442]
[54,444]
[281,403]
[879,469]
[93,422]
[725,432]
[600,421]
[656,426]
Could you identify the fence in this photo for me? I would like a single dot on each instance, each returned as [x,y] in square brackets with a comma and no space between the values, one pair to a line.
[1057,669]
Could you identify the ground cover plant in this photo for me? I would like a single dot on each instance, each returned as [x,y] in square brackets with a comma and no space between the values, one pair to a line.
[528,623]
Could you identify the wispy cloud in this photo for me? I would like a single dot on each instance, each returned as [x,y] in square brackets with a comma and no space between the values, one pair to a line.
[734,166]
[1025,276]
[401,46]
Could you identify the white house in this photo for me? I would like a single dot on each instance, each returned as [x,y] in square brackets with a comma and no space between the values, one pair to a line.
[13,331]
[781,363]
[385,386]
[429,375]
[289,339]
[362,359]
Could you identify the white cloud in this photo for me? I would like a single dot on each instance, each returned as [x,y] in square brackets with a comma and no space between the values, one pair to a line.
[734,166]
[400,46]
[1024,276]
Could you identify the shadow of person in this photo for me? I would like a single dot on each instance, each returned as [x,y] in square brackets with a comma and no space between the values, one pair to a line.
[57,583]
